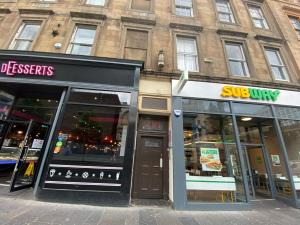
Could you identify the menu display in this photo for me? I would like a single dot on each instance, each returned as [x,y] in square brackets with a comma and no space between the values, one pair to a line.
[210,159]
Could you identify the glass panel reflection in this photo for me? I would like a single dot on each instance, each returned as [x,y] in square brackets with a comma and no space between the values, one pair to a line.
[92,134]
[213,172]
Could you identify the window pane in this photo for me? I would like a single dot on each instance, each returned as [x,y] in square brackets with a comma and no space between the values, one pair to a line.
[277,73]
[234,51]
[252,109]
[100,97]
[255,12]
[29,31]
[273,57]
[222,6]
[236,68]
[287,112]
[85,35]
[291,135]
[81,50]
[22,45]
[205,106]
[95,2]
[211,160]
[92,134]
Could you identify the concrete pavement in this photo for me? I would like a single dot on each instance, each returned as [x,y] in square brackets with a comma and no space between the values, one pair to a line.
[20,209]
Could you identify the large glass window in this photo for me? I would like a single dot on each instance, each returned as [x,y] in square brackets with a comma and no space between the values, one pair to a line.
[184,7]
[25,36]
[224,11]
[277,66]
[291,134]
[237,60]
[258,17]
[187,56]
[82,40]
[212,164]
[94,128]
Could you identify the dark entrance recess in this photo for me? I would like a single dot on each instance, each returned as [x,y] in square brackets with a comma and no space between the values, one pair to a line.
[26,114]
[151,160]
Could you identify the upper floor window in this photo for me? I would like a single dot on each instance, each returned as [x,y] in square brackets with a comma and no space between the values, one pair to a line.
[277,66]
[82,40]
[136,45]
[95,2]
[184,7]
[187,56]
[224,11]
[258,17]
[237,60]
[26,34]
[296,24]
[144,5]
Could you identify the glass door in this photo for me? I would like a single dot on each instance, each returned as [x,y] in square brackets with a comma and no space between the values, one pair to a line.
[257,174]
[31,149]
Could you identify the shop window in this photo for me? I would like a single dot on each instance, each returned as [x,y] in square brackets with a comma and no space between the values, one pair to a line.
[94,129]
[144,5]
[187,56]
[224,11]
[277,66]
[136,45]
[184,8]
[236,59]
[296,24]
[213,172]
[291,134]
[95,2]
[25,36]
[258,18]
[82,40]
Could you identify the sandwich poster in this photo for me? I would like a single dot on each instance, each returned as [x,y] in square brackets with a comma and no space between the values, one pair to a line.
[210,159]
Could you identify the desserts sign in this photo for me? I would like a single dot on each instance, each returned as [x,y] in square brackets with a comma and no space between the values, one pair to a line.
[13,68]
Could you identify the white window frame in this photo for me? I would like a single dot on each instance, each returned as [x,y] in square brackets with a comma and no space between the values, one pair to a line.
[262,20]
[180,4]
[73,43]
[242,61]
[230,13]
[91,3]
[282,68]
[294,20]
[19,32]
[187,54]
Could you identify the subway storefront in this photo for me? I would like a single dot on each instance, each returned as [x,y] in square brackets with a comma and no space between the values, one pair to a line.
[237,144]
[67,126]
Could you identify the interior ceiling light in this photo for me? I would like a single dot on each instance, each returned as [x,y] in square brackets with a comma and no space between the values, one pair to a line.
[246,119]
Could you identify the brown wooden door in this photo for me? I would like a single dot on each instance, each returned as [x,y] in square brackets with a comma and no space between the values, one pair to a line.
[148,182]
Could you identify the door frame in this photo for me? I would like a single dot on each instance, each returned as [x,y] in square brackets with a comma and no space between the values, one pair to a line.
[165,155]
[22,157]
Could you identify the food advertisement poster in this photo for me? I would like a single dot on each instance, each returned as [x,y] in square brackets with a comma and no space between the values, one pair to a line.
[275,160]
[210,159]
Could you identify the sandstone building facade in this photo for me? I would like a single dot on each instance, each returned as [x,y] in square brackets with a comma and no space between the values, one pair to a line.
[242,61]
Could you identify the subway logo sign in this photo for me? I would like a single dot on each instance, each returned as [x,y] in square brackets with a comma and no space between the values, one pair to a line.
[251,93]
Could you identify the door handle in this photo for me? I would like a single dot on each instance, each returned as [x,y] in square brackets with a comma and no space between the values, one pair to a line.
[161,162]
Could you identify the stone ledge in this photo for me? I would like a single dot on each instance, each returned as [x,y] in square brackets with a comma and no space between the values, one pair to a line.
[232,33]
[36,11]
[5,11]
[268,38]
[138,20]
[186,27]
[87,15]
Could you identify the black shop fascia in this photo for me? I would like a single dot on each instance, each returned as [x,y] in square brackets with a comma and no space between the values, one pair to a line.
[67,125]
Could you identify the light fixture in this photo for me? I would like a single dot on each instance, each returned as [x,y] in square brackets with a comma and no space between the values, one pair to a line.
[161,59]
[246,119]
